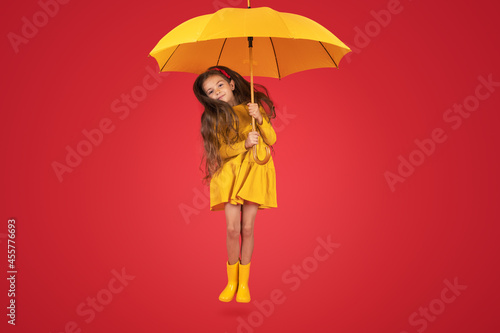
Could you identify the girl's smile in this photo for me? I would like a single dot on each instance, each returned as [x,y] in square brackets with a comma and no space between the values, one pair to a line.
[216,87]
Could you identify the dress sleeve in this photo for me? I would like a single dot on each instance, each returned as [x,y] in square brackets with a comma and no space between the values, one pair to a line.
[227,151]
[266,129]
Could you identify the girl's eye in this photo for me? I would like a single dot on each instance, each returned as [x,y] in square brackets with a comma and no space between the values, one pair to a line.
[220,85]
[209,93]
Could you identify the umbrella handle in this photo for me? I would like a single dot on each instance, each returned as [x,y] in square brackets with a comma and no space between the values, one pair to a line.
[250,53]
[255,156]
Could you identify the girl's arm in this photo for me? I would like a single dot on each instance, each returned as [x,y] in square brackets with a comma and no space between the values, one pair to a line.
[227,151]
[266,129]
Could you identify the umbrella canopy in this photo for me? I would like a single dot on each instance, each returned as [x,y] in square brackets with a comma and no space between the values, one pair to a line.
[283,43]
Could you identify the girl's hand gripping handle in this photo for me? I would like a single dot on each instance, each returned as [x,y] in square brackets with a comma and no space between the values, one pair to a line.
[252,139]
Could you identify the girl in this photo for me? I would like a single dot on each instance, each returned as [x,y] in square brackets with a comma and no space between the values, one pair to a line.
[238,185]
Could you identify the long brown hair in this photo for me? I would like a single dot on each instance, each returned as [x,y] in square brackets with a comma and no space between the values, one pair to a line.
[218,117]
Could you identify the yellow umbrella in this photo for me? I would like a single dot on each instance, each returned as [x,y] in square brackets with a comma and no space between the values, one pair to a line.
[284,44]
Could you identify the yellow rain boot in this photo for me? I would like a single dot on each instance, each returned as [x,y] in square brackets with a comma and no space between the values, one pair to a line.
[232,283]
[243,294]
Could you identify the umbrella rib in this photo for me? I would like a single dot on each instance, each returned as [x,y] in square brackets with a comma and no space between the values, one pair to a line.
[165,64]
[222,48]
[275,58]
[329,55]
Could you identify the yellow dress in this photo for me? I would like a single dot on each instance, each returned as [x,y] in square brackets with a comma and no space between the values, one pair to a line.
[241,178]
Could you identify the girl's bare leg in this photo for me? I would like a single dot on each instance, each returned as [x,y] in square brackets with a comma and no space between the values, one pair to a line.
[247,224]
[233,230]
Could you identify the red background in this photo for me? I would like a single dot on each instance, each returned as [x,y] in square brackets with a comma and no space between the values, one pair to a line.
[120,207]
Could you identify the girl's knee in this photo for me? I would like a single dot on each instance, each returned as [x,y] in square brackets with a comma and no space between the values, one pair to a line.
[233,231]
[247,231]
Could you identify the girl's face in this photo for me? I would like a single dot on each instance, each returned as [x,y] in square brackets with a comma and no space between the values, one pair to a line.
[218,88]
